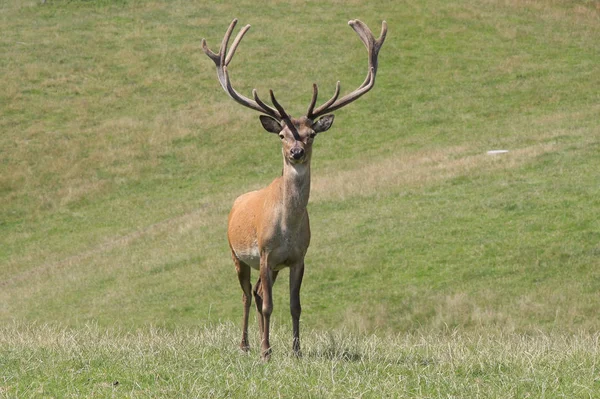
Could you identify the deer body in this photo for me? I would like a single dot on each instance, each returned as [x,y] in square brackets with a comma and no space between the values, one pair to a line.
[274,218]
[268,229]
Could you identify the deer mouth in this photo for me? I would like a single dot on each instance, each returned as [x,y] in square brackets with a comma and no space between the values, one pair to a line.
[297,161]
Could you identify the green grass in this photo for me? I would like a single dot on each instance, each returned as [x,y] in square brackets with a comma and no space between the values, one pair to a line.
[120,157]
[45,361]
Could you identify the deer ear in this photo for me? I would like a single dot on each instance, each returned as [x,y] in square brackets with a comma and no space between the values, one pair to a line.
[323,124]
[271,125]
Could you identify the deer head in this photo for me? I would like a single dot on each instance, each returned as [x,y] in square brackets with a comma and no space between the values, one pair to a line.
[297,134]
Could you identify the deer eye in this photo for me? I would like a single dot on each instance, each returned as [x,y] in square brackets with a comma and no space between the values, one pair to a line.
[312,135]
[281,136]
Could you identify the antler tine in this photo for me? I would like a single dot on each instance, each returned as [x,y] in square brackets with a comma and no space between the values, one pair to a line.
[313,101]
[311,114]
[373,46]
[264,106]
[347,99]
[222,60]
[235,44]
[325,107]
[207,51]
[284,116]
[225,41]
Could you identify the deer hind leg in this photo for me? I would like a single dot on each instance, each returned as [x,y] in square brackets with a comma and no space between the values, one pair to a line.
[243,272]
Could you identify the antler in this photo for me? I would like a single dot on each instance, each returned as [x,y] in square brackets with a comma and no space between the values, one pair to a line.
[373,46]
[222,60]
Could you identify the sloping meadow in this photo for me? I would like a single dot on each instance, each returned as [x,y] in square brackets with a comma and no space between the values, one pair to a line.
[120,156]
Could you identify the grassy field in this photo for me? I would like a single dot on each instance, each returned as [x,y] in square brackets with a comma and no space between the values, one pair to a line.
[435,269]
[90,362]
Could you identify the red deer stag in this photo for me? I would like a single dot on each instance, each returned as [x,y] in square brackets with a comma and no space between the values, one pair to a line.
[268,229]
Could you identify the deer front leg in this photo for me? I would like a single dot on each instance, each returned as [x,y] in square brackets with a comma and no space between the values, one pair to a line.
[266,281]
[259,302]
[296,274]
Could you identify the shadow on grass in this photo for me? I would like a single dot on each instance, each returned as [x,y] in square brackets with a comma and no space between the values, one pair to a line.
[353,349]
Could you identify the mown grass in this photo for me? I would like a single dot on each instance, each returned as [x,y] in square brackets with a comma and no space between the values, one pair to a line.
[120,157]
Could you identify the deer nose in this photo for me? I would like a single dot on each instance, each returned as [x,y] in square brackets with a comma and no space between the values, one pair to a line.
[297,152]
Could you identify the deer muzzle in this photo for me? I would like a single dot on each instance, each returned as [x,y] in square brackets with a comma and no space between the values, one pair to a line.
[297,153]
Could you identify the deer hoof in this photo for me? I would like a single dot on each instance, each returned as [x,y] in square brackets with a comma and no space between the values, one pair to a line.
[266,355]
[245,347]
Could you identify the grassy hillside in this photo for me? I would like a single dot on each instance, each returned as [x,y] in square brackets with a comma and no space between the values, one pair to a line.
[120,157]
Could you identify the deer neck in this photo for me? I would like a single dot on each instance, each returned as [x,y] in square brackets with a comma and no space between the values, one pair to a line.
[295,191]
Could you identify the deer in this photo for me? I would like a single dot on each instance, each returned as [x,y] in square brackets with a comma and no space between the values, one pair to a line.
[268,229]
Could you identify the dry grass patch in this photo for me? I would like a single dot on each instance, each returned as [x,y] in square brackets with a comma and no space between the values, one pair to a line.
[417,169]
[176,226]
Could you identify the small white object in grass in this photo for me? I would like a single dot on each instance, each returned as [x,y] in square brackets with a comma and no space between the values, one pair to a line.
[494,152]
